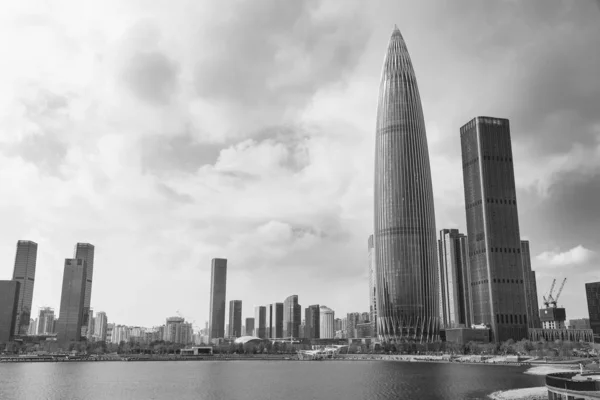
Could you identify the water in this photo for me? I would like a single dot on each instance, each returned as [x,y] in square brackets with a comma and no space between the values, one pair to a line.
[258,380]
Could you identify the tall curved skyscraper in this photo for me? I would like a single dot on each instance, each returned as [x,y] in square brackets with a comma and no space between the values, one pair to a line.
[405,239]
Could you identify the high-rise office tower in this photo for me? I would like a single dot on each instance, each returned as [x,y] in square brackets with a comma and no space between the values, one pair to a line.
[85,251]
[531,296]
[276,320]
[235,318]
[72,301]
[9,301]
[24,273]
[592,292]
[372,285]
[405,245]
[218,285]
[260,321]
[312,321]
[268,321]
[497,279]
[249,327]
[352,319]
[45,321]
[292,316]
[453,275]
[100,325]
[326,327]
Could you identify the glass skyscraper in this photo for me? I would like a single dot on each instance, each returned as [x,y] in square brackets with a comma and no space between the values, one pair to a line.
[85,251]
[372,285]
[292,315]
[497,274]
[592,293]
[453,259]
[9,299]
[260,322]
[218,286]
[531,296]
[24,273]
[235,318]
[405,243]
[312,321]
[70,318]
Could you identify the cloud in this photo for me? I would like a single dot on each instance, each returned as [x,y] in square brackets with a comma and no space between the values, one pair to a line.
[576,256]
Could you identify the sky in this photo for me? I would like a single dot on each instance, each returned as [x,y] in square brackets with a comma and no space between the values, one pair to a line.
[168,133]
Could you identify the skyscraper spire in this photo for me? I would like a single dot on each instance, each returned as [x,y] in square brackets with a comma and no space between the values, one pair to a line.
[405,238]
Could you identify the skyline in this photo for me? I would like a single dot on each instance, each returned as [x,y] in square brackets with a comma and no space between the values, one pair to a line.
[93,152]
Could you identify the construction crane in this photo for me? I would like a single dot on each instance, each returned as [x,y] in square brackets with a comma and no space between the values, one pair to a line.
[555,299]
[548,298]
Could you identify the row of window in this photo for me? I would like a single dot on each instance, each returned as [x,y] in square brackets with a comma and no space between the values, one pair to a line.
[494,250]
[497,158]
[471,162]
[501,201]
[507,280]
[511,319]
[474,204]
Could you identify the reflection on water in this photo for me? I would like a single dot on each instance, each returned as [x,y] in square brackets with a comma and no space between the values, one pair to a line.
[258,380]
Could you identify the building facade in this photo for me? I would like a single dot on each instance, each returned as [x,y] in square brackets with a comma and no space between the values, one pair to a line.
[24,273]
[312,321]
[580,323]
[592,292]
[404,238]
[9,301]
[292,316]
[326,328]
[260,321]
[218,286]
[45,321]
[71,301]
[235,319]
[372,283]
[352,319]
[100,325]
[276,320]
[85,251]
[249,327]
[497,275]
[453,277]
[531,295]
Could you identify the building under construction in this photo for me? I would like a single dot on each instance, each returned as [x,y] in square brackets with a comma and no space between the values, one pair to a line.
[553,321]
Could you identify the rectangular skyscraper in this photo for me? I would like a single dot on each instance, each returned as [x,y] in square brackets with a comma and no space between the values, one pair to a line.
[292,317]
[24,273]
[235,318]
[9,300]
[260,322]
[453,275]
[531,296]
[592,292]
[72,301]
[45,321]
[218,286]
[497,275]
[85,251]
[276,320]
[100,325]
[249,327]
[312,321]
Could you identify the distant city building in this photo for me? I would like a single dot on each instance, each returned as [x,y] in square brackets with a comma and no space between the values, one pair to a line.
[453,277]
[120,334]
[109,331]
[337,324]
[404,237]
[497,275]
[592,292]
[100,326]
[24,273]
[71,301]
[531,295]
[276,320]
[249,327]
[32,327]
[292,316]
[45,321]
[581,323]
[218,286]
[176,330]
[235,318]
[260,322]
[9,301]
[89,330]
[372,285]
[326,329]
[352,319]
[312,321]
[364,330]
[85,251]
[301,330]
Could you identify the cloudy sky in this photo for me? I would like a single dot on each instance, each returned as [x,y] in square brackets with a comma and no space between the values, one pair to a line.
[168,133]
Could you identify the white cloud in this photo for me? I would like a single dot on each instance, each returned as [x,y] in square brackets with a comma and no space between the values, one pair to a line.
[576,256]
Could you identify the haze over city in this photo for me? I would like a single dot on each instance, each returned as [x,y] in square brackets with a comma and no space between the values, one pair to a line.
[174,135]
